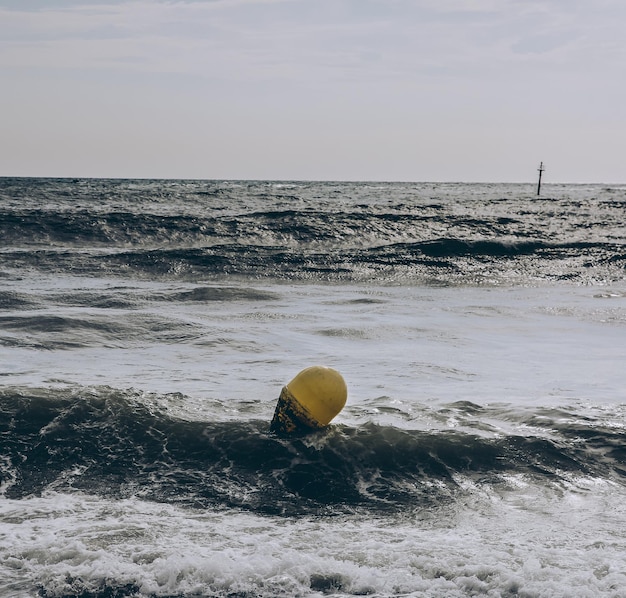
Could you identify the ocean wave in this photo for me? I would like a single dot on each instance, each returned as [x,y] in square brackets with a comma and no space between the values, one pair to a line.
[13,300]
[395,233]
[90,228]
[440,261]
[490,247]
[63,332]
[114,443]
[419,227]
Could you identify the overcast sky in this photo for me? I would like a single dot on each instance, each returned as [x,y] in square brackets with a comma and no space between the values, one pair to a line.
[415,90]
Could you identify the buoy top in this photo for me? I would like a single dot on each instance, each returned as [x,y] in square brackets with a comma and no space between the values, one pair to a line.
[321,390]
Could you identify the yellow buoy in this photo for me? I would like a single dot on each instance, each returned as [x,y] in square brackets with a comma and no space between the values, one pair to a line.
[310,400]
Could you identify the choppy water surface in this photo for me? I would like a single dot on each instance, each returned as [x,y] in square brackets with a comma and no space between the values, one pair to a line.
[147,327]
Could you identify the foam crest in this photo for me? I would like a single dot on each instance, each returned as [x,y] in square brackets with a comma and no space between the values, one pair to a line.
[80,545]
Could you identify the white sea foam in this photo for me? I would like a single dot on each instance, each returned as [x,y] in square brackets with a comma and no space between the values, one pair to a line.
[524,543]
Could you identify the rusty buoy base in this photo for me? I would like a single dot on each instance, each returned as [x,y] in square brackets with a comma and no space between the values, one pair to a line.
[290,417]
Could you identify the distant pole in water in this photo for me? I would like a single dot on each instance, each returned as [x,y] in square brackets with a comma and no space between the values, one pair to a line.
[540,169]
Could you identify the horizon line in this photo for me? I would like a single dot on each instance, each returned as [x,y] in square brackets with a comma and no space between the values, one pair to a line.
[307,180]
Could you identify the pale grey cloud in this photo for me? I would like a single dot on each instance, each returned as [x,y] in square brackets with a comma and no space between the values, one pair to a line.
[279,37]
[390,82]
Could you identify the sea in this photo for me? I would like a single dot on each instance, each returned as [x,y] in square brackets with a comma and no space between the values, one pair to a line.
[147,328]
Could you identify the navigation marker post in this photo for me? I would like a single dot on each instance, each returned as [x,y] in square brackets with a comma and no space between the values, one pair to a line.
[540,169]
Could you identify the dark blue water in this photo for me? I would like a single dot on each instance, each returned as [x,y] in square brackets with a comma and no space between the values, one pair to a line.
[401,233]
[147,327]
[117,444]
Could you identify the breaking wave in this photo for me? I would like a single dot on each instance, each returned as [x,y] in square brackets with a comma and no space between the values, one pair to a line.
[112,443]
